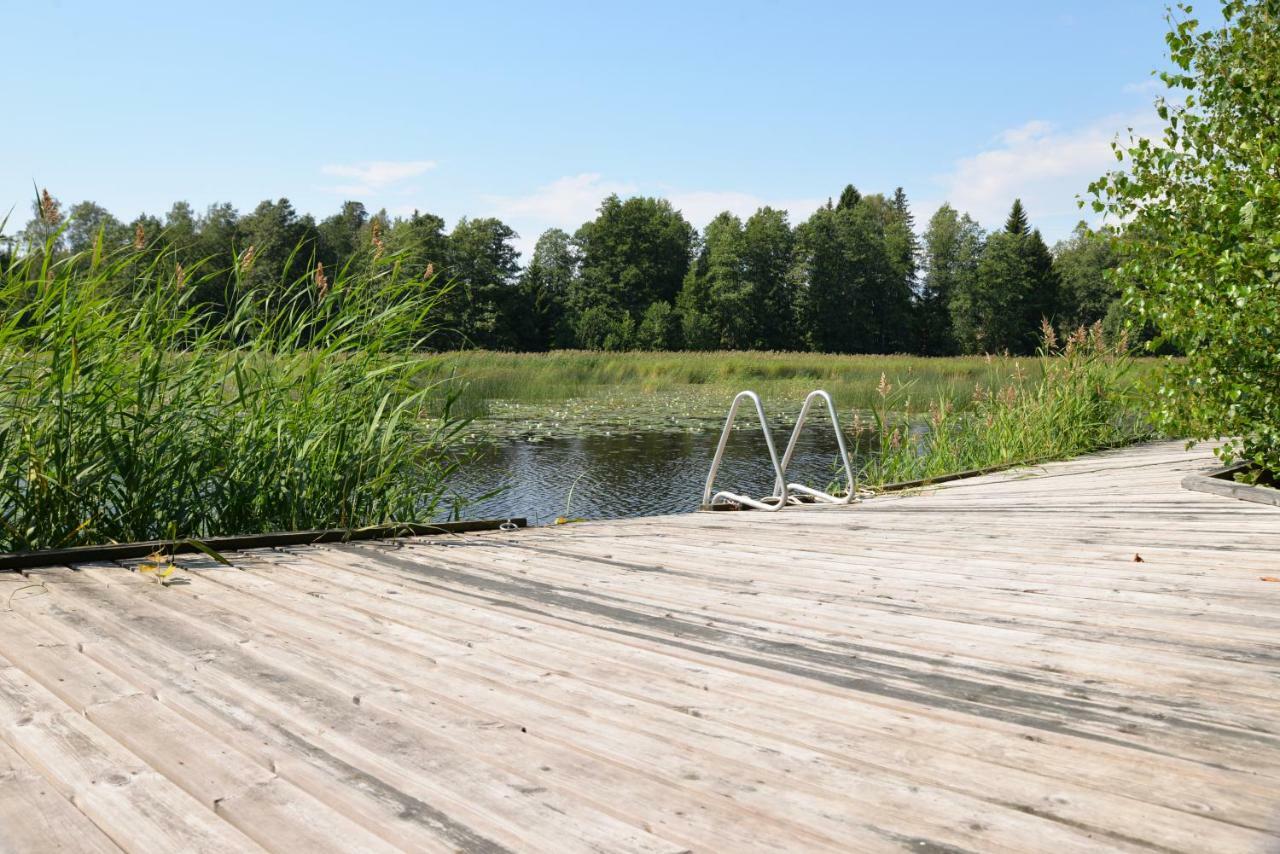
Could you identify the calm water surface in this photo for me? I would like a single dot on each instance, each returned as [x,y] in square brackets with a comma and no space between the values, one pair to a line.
[637,474]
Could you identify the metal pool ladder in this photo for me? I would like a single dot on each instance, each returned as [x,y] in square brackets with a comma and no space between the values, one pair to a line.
[850,492]
[783,493]
[771,503]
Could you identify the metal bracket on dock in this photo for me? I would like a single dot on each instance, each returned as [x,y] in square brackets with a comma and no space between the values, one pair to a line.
[770,503]
[780,488]
[783,493]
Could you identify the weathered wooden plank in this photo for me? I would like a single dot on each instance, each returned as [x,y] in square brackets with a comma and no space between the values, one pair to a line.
[130,802]
[730,644]
[565,769]
[979,665]
[35,817]
[798,766]
[309,700]
[857,625]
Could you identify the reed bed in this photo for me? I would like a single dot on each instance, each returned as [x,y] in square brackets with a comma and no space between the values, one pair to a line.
[1078,397]
[488,376]
[130,411]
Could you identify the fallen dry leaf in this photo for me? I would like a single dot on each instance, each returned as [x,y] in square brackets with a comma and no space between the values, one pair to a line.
[1268,578]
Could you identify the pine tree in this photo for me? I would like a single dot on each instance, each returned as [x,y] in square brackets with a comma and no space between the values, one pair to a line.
[849,198]
[1042,293]
[990,316]
[1017,222]
[546,283]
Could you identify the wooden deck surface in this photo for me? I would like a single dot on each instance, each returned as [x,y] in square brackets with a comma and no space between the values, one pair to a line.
[1078,657]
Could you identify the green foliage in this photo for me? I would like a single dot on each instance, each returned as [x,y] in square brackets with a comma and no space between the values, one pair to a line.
[834,283]
[634,253]
[738,293]
[659,329]
[483,308]
[952,247]
[545,285]
[1013,289]
[604,327]
[1201,243]
[1043,297]
[889,301]
[987,315]
[340,233]
[768,244]
[138,413]
[716,288]
[86,221]
[282,242]
[1017,223]
[1079,400]
[849,280]
[1084,261]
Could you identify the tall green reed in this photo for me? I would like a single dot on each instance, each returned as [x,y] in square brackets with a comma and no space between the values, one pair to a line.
[130,410]
[1075,398]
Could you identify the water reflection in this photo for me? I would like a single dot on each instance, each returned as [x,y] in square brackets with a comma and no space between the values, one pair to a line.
[638,474]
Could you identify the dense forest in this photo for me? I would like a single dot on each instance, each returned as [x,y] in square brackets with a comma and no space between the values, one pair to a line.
[855,277]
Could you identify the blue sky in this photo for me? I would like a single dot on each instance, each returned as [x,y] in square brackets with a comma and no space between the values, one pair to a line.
[535,111]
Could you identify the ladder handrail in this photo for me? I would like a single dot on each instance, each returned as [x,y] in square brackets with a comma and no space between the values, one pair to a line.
[768,504]
[781,487]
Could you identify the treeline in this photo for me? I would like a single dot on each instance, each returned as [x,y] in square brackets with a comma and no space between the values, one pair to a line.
[853,278]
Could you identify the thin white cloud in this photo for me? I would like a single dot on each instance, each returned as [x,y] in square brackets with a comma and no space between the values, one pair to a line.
[1044,165]
[701,206]
[570,201]
[574,199]
[565,203]
[373,176]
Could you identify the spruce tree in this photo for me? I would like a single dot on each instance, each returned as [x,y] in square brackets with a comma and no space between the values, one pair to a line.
[1042,292]
[849,198]
[1017,222]
[992,316]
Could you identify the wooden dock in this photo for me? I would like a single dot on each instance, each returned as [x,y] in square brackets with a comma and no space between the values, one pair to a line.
[1077,657]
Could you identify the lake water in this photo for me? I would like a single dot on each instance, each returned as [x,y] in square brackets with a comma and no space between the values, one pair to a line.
[633,474]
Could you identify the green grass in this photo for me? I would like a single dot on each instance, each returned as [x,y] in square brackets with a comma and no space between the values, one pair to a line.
[1080,398]
[129,412]
[910,417]
[571,392]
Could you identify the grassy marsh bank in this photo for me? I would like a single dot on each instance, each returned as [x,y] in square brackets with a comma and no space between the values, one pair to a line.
[129,411]
[567,393]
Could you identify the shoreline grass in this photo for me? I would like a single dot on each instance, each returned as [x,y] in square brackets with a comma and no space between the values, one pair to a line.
[1082,397]
[567,393]
[129,412]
